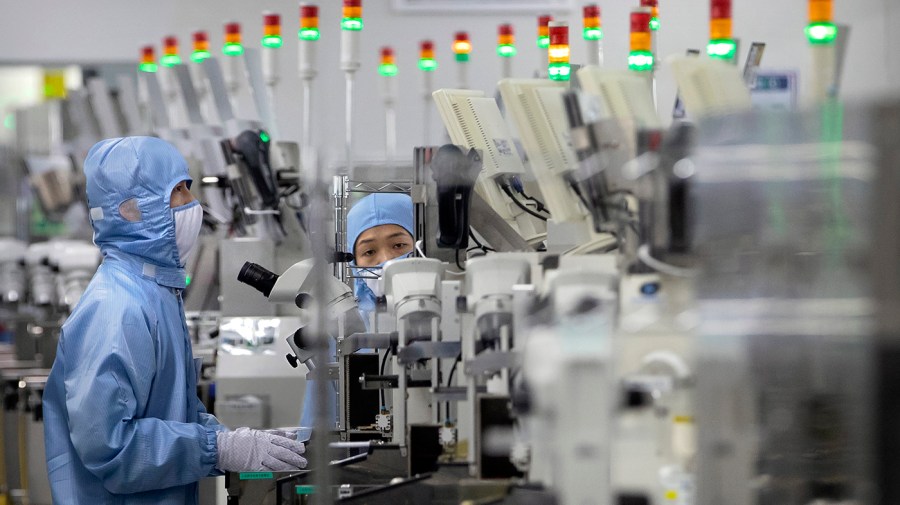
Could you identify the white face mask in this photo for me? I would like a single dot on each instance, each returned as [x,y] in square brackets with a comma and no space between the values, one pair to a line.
[188,220]
[376,286]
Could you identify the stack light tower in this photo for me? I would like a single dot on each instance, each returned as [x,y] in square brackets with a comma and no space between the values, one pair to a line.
[351,28]
[148,60]
[822,34]
[388,70]
[169,60]
[146,66]
[462,47]
[593,34]
[199,54]
[233,48]
[427,64]
[170,56]
[308,36]
[558,68]
[506,48]
[640,58]
[233,45]
[543,40]
[201,47]
[271,42]
[722,45]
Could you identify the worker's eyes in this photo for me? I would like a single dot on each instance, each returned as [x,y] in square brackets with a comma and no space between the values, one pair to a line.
[400,245]
[368,252]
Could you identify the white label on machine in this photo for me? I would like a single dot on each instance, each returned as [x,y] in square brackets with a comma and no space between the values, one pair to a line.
[775,90]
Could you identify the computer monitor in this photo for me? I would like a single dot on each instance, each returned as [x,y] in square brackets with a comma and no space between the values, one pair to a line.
[710,87]
[474,121]
[537,108]
[625,96]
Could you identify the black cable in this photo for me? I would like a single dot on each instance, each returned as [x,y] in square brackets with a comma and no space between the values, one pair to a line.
[458,265]
[453,368]
[387,352]
[519,204]
[578,193]
[478,243]
[540,205]
[450,381]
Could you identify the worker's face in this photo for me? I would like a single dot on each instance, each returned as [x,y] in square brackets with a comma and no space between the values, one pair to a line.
[382,243]
[181,195]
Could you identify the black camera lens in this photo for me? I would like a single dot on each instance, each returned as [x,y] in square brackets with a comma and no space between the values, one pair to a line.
[258,278]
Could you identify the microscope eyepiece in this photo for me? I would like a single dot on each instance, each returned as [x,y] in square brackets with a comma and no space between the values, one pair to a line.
[258,278]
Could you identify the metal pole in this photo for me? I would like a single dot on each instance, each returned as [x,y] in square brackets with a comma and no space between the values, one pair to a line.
[428,82]
[390,125]
[306,120]
[348,122]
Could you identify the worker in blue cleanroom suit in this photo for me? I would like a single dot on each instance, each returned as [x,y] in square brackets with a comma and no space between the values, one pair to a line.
[379,229]
[122,421]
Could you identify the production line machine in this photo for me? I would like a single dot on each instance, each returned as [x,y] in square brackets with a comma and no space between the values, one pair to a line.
[542,367]
[587,363]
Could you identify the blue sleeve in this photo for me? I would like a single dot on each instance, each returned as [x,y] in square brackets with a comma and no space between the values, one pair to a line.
[210,422]
[310,408]
[113,364]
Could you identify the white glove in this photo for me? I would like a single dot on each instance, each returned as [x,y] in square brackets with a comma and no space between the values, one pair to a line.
[290,433]
[246,450]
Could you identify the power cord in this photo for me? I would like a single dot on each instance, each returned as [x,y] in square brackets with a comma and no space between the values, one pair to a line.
[456,257]
[450,381]
[478,244]
[508,191]
[387,352]
[540,205]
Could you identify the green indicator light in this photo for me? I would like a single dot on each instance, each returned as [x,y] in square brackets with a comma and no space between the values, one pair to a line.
[462,57]
[273,41]
[233,49]
[544,42]
[559,71]
[198,56]
[654,24]
[255,475]
[170,60]
[352,24]
[506,50]
[427,65]
[264,136]
[303,490]
[593,34]
[308,34]
[821,33]
[187,280]
[722,49]
[10,121]
[148,67]
[640,61]
[387,69]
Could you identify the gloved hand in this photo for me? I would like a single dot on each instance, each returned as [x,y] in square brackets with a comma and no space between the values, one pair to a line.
[246,450]
[290,433]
